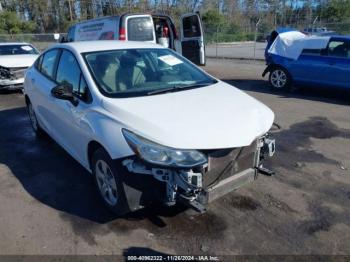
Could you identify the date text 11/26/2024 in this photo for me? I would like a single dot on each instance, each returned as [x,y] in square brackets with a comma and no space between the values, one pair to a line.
[173,258]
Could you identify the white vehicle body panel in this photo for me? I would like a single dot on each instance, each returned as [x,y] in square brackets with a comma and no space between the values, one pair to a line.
[92,30]
[200,38]
[291,44]
[212,117]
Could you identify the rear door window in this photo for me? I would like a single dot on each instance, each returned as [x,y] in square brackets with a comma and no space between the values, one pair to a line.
[339,49]
[140,28]
[49,63]
[315,52]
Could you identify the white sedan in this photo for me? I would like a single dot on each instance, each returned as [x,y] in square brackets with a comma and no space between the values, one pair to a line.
[15,58]
[147,123]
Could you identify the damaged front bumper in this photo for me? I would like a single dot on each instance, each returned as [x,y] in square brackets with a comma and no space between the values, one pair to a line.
[12,78]
[226,170]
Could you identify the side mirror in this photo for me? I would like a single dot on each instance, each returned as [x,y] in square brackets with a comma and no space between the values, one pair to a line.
[64,92]
[62,39]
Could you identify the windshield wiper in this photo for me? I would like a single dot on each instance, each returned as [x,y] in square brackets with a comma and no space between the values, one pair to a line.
[177,88]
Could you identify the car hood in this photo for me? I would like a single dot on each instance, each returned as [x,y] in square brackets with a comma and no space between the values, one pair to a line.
[17,60]
[212,117]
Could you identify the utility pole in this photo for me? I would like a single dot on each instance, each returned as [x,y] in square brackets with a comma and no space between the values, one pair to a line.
[0,7]
[70,10]
[93,8]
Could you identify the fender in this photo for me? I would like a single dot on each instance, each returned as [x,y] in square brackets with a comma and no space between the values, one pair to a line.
[267,69]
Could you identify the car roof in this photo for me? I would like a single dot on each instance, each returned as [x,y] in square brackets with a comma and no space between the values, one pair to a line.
[104,45]
[14,43]
[341,37]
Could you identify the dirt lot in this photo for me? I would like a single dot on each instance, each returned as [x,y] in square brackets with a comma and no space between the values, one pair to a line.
[49,204]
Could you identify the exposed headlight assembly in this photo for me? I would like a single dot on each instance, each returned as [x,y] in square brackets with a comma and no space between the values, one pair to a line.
[161,155]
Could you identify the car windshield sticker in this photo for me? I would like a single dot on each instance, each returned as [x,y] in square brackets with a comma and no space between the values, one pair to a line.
[27,48]
[170,60]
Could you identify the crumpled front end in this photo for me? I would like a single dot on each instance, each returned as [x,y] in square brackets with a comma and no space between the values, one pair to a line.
[225,171]
[12,78]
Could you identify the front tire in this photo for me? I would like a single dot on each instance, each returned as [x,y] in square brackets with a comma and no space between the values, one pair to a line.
[280,79]
[108,175]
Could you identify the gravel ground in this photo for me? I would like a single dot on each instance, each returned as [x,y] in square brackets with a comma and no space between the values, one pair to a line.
[49,204]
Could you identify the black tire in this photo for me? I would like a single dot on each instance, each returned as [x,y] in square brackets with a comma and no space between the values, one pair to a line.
[39,132]
[280,79]
[115,172]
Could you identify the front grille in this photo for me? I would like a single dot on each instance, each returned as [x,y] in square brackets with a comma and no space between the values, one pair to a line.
[224,163]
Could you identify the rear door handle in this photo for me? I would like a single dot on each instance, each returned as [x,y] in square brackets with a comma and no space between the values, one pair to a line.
[33,80]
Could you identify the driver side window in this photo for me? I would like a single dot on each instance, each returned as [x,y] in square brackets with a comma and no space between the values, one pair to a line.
[69,73]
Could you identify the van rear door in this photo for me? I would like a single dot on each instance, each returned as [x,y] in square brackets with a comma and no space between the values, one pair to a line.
[139,28]
[192,40]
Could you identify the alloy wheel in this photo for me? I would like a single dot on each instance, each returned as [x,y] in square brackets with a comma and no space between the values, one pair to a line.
[278,78]
[106,182]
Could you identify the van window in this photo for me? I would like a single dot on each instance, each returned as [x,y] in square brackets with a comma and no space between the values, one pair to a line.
[191,26]
[140,29]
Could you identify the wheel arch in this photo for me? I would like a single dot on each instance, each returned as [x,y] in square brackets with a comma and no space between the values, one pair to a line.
[93,145]
[275,66]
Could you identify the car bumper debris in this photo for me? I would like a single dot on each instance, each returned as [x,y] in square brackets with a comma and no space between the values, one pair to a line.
[12,78]
[225,171]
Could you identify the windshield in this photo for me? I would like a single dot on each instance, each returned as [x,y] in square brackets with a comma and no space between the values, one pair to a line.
[18,50]
[138,72]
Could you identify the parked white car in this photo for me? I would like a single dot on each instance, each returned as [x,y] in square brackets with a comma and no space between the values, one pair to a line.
[15,58]
[147,123]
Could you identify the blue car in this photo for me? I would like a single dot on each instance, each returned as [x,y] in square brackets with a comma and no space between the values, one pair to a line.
[327,67]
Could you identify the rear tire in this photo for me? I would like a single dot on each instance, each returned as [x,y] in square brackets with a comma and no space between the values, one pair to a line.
[108,176]
[39,132]
[280,79]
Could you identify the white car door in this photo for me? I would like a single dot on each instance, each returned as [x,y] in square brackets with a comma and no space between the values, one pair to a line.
[40,81]
[192,38]
[69,118]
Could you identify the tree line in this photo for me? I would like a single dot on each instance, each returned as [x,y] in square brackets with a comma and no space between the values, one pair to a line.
[223,16]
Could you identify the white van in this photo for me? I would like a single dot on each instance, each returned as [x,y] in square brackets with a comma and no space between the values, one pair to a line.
[155,28]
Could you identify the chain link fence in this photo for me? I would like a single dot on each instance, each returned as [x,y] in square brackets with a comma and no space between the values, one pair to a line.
[221,42]
[40,41]
[226,42]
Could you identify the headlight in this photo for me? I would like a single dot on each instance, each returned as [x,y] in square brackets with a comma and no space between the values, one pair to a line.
[162,155]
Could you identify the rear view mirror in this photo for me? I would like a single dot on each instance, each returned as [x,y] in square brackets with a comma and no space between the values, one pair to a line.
[64,92]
